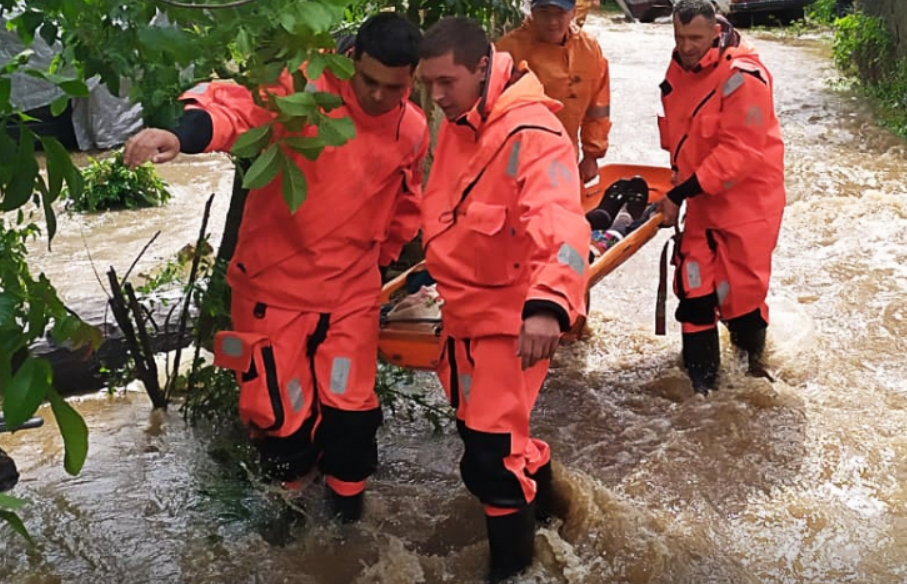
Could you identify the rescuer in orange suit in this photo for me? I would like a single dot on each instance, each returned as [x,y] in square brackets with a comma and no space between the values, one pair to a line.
[505,237]
[305,284]
[724,139]
[571,67]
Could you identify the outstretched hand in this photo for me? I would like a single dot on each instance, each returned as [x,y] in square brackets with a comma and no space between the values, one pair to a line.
[539,338]
[151,144]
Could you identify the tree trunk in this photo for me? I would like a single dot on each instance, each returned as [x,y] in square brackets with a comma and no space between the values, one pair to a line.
[215,309]
[894,13]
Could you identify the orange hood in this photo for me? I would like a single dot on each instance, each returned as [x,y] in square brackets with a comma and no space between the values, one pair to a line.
[507,87]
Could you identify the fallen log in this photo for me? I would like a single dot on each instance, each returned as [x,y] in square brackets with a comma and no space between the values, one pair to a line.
[81,371]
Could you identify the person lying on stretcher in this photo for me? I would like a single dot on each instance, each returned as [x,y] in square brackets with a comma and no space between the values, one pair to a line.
[624,207]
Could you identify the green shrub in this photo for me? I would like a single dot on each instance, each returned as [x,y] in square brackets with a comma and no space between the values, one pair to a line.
[821,12]
[863,47]
[864,50]
[110,184]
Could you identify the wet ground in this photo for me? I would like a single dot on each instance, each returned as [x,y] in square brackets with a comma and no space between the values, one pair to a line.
[800,481]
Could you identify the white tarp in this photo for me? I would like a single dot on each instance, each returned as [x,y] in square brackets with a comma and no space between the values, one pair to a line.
[100,121]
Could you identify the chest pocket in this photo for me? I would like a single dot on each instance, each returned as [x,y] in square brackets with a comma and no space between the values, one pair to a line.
[493,241]
[704,132]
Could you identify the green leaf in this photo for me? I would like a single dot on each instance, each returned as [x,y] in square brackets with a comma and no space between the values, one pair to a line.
[327,100]
[315,66]
[22,184]
[295,187]
[297,104]
[58,163]
[26,24]
[48,32]
[310,147]
[8,151]
[251,142]
[244,43]
[340,66]
[13,520]
[170,40]
[75,87]
[315,16]
[7,307]
[6,87]
[264,169]
[58,106]
[73,430]
[336,131]
[10,502]
[26,391]
[49,216]
[296,61]
[288,20]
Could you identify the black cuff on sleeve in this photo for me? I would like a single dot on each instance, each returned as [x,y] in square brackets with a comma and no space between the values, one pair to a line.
[533,307]
[195,131]
[685,190]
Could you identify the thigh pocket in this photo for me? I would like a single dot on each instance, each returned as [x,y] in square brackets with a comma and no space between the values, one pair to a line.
[263,406]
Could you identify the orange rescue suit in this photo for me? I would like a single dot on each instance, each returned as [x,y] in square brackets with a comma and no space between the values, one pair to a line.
[305,284]
[720,125]
[574,73]
[505,237]
[362,204]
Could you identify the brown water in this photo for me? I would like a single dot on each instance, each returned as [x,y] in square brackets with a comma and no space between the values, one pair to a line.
[800,481]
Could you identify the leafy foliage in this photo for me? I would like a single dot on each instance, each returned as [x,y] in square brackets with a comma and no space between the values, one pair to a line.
[821,12]
[109,184]
[496,15]
[864,49]
[28,308]
[396,392]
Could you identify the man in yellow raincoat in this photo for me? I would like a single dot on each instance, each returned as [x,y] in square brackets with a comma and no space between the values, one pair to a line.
[573,70]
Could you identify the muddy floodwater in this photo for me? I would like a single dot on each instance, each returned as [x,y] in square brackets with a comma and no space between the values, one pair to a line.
[800,481]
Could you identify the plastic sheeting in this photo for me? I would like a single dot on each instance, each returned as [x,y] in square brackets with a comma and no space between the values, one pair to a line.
[100,121]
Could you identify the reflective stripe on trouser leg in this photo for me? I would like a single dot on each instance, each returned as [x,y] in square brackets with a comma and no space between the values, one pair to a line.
[694,282]
[493,420]
[345,366]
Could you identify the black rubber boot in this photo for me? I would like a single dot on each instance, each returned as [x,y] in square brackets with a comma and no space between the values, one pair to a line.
[544,494]
[511,541]
[9,475]
[346,509]
[287,459]
[752,343]
[701,358]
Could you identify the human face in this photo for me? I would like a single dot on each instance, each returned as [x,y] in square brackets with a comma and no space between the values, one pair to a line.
[379,88]
[453,87]
[694,40]
[551,23]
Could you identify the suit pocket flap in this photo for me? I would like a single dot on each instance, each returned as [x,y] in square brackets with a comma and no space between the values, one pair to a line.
[485,218]
[234,350]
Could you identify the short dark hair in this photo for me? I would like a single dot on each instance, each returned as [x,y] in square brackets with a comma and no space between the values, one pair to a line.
[464,37]
[687,10]
[390,38]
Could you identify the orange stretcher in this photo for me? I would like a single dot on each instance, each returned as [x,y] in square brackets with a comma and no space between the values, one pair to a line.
[416,345]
